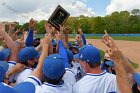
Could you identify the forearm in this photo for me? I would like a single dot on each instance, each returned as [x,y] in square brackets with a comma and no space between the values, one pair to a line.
[80,44]
[42,57]
[50,51]
[22,38]
[122,78]
[83,39]
[63,53]
[29,39]
[127,66]
[11,45]
[66,38]
[65,44]
[38,48]
[14,36]
[10,32]
[128,69]
[10,73]
[38,71]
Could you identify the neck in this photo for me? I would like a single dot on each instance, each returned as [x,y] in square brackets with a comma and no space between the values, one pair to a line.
[96,70]
[29,66]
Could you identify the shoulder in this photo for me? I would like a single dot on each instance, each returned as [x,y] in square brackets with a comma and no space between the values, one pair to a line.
[110,76]
[11,64]
[25,73]
[34,80]
[69,77]
[68,73]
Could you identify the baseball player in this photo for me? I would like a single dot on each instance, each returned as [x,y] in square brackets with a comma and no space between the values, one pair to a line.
[27,57]
[96,80]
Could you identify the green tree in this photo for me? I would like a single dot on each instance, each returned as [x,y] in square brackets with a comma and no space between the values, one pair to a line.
[135,12]
[39,27]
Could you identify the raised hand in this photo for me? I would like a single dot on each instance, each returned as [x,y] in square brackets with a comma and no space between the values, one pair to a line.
[48,27]
[32,24]
[115,54]
[12,27]
[108,41]
[80,31]
[61,29]
[2,27]
[46,40]
[78,38]
[105,39]
[17,31]
[23,31]
[67,30]
[59,36]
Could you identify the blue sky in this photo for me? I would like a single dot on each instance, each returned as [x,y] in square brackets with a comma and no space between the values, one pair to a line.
[98,6]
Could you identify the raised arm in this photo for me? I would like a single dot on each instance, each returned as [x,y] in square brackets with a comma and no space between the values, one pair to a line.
[29,39]
[67,30]
[119,59]
[14,36]
[126,64]
[82,35]
[62,50]
[62,29]
[79,40]
[45,45]
[22,37]
[11,29]
[49,29]
[10,43]
[121,74]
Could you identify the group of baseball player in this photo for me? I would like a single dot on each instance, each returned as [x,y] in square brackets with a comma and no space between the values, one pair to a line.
[52,64]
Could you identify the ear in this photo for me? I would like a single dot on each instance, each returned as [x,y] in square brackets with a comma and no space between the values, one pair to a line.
[88,68]
[28,61]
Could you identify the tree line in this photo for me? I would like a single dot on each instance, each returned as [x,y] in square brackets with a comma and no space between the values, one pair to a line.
[117,22]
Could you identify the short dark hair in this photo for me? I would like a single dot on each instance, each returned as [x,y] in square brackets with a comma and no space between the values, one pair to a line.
[94,65]
[23,62]
[53,81]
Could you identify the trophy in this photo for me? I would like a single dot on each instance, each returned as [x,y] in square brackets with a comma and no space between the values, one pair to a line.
[58,17]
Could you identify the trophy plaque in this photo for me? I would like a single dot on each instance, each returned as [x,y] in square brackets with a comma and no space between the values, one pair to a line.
[58,17]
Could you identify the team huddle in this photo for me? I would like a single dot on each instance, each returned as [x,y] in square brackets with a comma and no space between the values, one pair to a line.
[52,64]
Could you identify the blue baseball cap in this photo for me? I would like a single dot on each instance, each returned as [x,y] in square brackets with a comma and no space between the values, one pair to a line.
[27,53]
[4,54]
[110,63]
[76,56]
[136,77]
[69,55]
[90,53]
[3,69]
[25,87]
[39,54]
[54,66]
